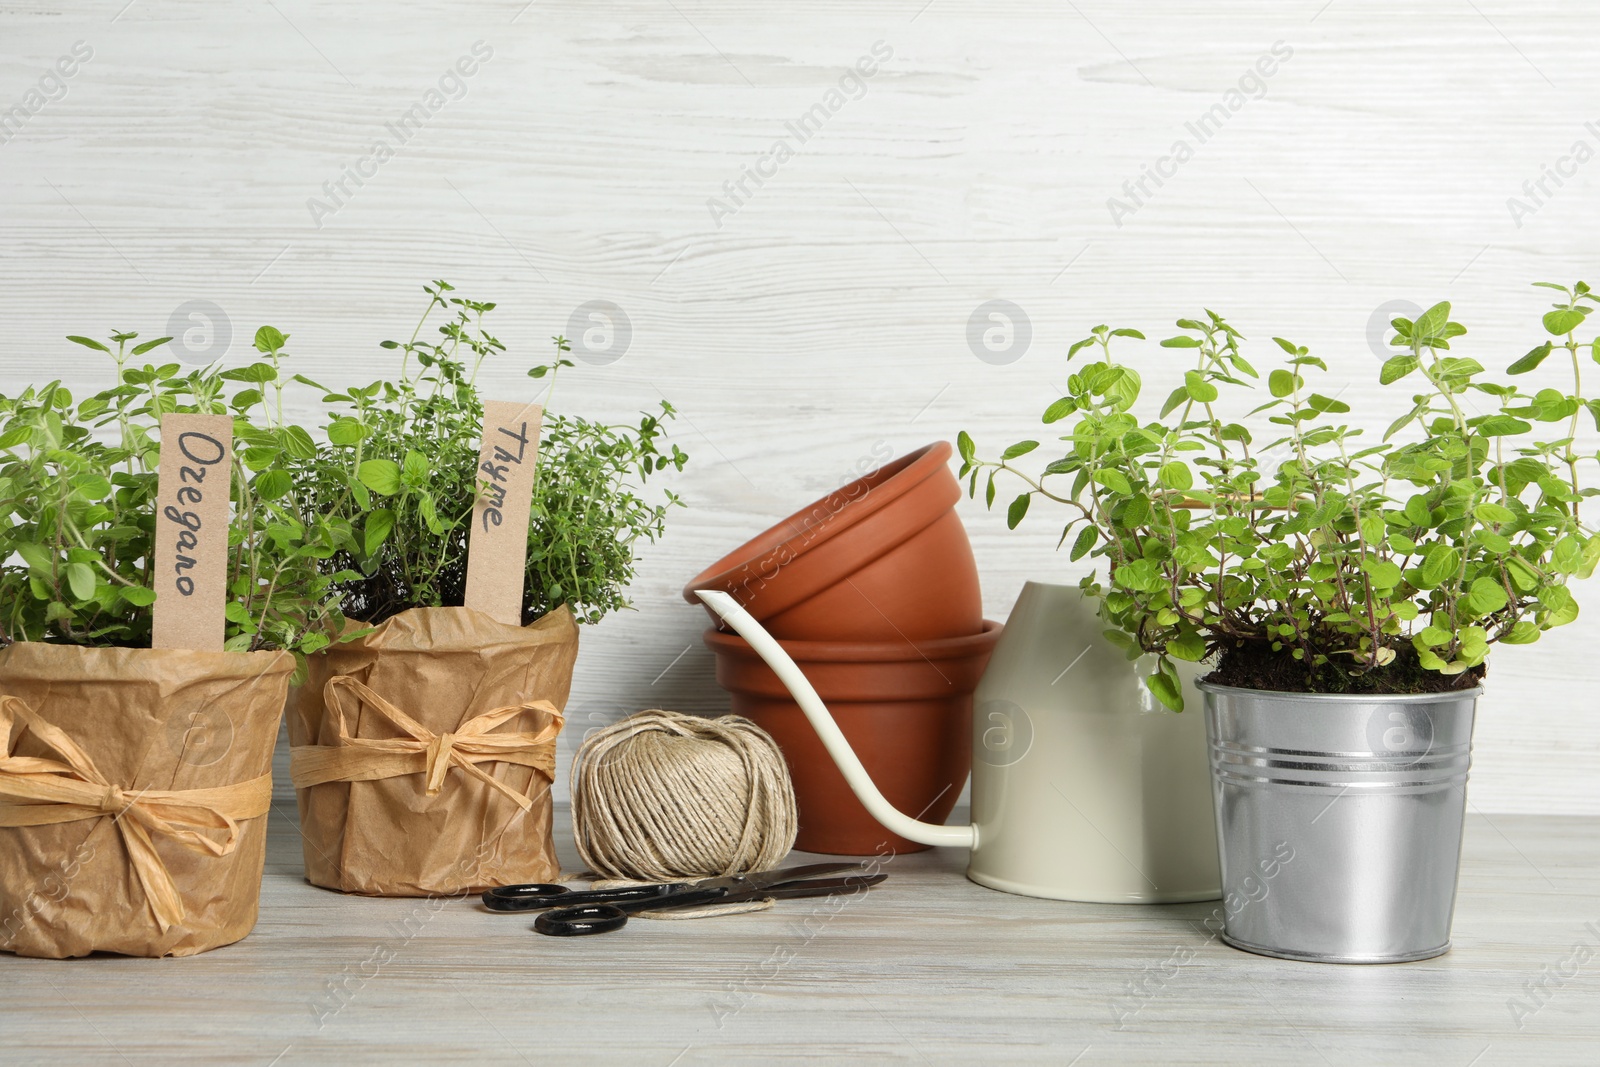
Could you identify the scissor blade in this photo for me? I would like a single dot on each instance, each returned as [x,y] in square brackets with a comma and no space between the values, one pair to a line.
[790,890]
[823,887]
[741,882]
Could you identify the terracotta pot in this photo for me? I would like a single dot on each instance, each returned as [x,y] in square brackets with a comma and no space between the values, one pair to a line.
[883,559]
[906,710]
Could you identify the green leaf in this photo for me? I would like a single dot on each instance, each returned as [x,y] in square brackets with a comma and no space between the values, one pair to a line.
[1502,426]
[92,486]
[1125,331]
[1431,323]
[150,346]
[1439,565]
[259,373]
[1282,382]
[345,432]
[415,472]
[1178,396]
[379,526]
[1434,636]
[1563,321]
[1165,690]
[1085,541]
[88,343]
[1491,513]
[964,445]
[1384,573]
[430,514]
[1200,389]
[1487,595]
[1559,603]
[1114,480]
[1523,576]
[137,595]
[1190,647]
[1591,557]
[382,476]
[1455,369]
[1123,389]
[40,559]
[1018,509]
[259,459]
[274,484]
[1397,368]
[1528,362]
[1321,403]
[1059,410]
[1523,633]
[1021,448]
[297,443]
[1176,475]
[1124,642]
[1181,341]
[269,339]
[80,578]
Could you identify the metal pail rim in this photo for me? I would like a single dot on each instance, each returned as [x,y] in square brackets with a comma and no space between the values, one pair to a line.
[1345,698]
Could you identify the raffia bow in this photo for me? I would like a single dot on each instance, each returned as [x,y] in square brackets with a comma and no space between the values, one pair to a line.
[362,759]
[42,792]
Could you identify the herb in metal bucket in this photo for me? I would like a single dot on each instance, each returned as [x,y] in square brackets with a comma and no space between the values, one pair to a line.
[1347,567]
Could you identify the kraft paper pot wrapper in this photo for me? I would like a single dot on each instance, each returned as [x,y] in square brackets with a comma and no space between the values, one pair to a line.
[134,791]
[424,753]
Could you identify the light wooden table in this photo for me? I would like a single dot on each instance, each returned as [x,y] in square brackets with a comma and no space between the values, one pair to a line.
[926,968]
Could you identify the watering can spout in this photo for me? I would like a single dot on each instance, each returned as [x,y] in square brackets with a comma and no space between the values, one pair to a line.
[767,647]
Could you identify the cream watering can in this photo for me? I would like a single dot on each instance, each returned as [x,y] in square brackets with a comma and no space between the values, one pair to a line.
[1082,787]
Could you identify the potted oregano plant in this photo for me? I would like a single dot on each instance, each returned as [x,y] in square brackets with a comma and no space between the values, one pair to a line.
[116,756]
[1345,591]
[400,476]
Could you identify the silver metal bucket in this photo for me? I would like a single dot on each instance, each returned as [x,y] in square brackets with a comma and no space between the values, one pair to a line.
[1339,820]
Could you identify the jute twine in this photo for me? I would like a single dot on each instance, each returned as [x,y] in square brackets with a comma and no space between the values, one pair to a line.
[663,796]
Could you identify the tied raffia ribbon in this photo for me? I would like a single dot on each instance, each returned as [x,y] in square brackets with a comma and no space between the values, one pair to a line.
[362,759]
[42,792]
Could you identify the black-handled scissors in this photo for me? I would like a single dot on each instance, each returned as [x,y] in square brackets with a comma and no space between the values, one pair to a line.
[597,911]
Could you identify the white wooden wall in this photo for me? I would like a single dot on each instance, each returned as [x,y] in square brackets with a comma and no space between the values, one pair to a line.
[825,319]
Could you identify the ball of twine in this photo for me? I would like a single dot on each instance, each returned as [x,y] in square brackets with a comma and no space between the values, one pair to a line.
[662,795]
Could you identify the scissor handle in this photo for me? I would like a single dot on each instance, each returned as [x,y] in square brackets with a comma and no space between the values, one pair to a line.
[581,920]
[537,895]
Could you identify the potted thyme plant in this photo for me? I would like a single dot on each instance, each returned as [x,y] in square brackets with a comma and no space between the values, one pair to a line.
[399,477]
[172,746]
[1346,595]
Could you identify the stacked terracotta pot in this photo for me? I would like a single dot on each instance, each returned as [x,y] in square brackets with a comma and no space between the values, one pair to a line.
[873,591]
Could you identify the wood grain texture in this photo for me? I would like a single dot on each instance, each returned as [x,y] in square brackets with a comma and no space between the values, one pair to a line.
[826,320]
[927,968]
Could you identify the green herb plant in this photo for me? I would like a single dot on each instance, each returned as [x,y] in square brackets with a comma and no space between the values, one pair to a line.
[78,501]
[1386,567]
[399,477]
